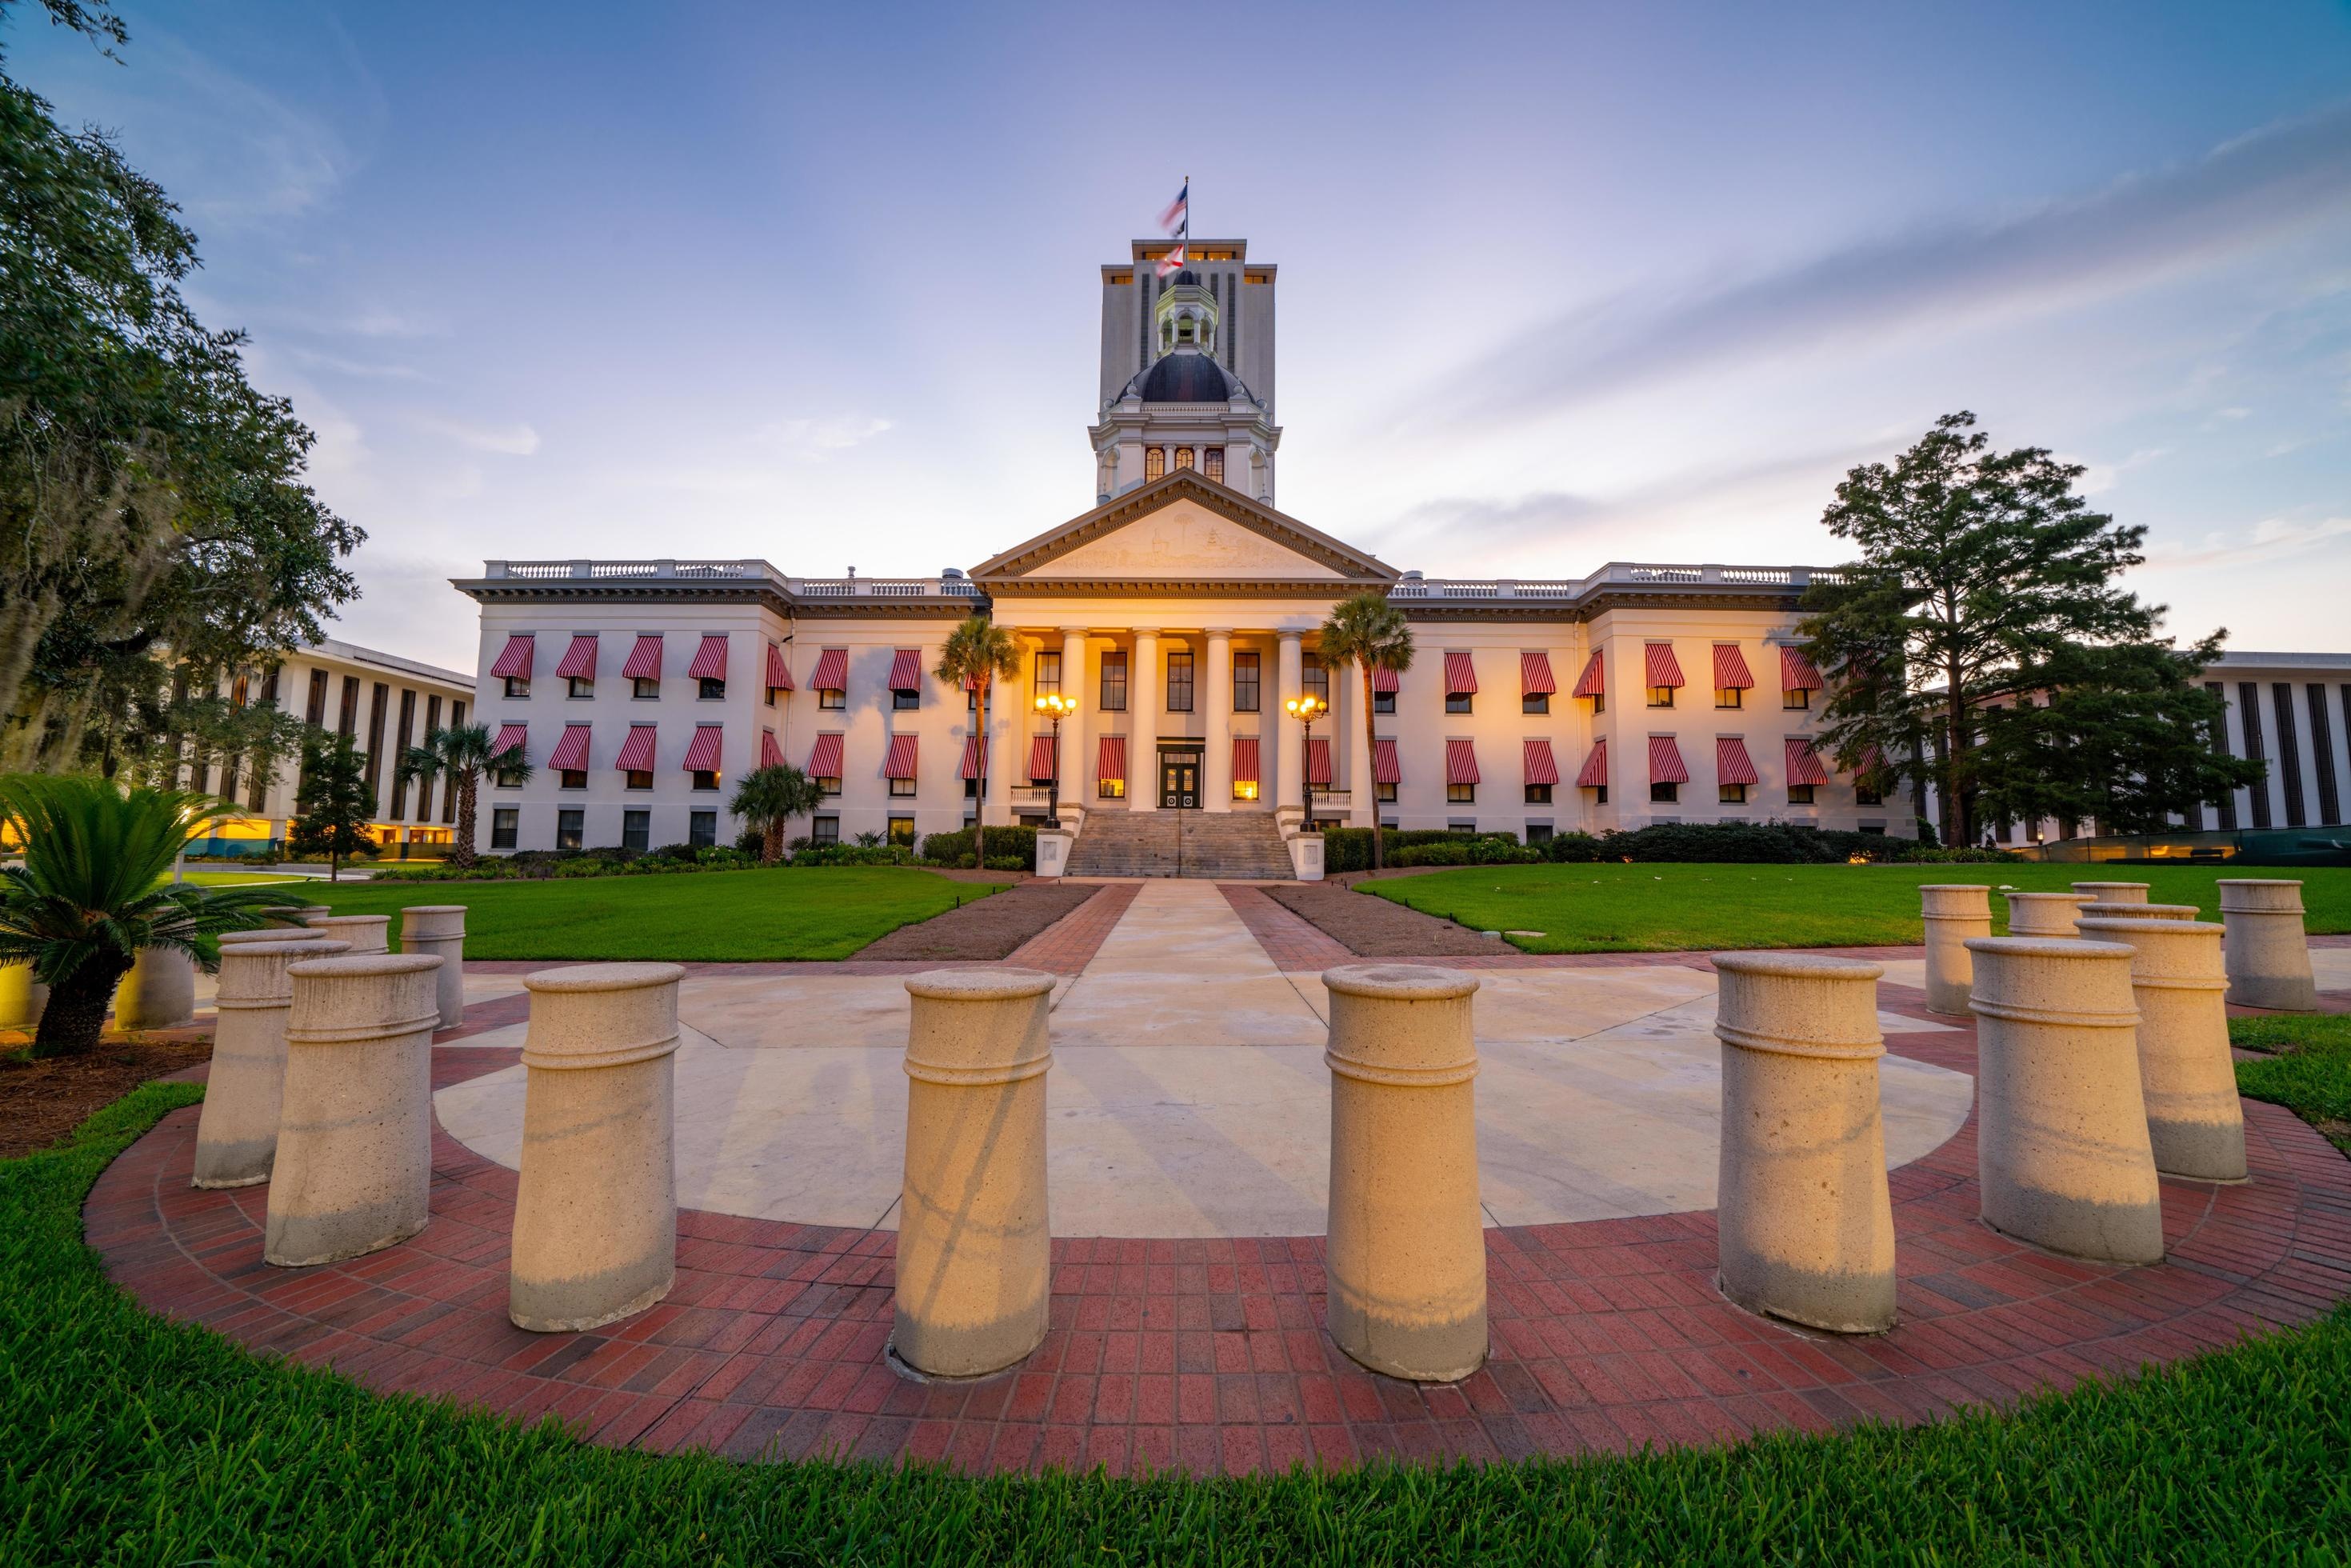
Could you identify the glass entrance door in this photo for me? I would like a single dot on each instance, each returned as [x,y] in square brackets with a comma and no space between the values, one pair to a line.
[1179,780]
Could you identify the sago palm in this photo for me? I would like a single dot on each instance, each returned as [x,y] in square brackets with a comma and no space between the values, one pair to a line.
[766,797]
[462,752]
[977,653]
[90,895]
[1366,631]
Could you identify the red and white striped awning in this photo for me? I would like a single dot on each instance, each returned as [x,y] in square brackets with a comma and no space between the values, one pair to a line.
[900,762]
[644,659]
[1541,767]
[831,671]
[578,660]
[1461,762]
[637,751]
[1384,679]
[770,754]
[1043,762]
[1873,761]
[824,757]
[1797,673]
[1731,763]
[515,738]
[709,660]
[1595,767]
[1730,671]
[1318,762]
[702,755]
[572,751]
[515,658]
[1109,757]
[1460,673]
[975,757]
[1244,762]
[1387,768]
[1803,763]
[780,669]
[1534,675]
[1666,765]
[1594,682]
[906,670]
[1664,669]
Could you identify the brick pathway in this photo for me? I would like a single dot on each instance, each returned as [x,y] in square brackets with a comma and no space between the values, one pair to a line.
[1210,1354]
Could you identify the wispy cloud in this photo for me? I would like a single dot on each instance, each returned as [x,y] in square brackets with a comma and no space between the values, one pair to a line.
[367,370]
[2265,540]
[507,440]
[807,438]
[275,159]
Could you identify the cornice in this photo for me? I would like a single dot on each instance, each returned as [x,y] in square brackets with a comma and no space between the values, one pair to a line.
[1353,566]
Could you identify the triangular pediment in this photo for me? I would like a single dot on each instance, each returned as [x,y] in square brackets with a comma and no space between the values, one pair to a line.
[1184,530]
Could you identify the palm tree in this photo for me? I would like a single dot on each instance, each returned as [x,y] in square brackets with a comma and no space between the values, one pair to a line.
[1366,631]
[769,797]
[462,752]
[91,896]
[977,652]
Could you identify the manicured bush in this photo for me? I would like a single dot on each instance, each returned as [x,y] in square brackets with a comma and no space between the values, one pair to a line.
[1008,842]
[1431,855]
[853,854]
[1576,849]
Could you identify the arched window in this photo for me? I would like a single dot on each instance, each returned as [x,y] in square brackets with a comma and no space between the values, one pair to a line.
[1215,464]
[1183,457]
[1155,462]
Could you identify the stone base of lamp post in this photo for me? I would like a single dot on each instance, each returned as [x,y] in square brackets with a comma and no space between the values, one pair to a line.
[1053,851]
[1306,856]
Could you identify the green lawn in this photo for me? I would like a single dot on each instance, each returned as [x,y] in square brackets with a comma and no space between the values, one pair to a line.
[235,878]
[719,915]
[1618,908]
[2308,1069]
[129,1440]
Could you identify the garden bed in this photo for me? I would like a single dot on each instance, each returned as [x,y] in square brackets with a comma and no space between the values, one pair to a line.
[988,930]
[43,1100]
[1379,927]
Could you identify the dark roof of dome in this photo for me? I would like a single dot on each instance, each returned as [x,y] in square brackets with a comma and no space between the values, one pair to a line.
[1187,276]
[1186,377]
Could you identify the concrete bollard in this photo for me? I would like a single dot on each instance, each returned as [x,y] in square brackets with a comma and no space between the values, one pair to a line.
[439,929]
[308,914]
[2268,955]
[1953,911]
[2114,891]
[595,1223]
[973,1262]
[367,933]
[2044,914]
[1405,1257]
[266,934]
[2194,1120]
[355,1135]
[237,1131]
[22,999]
[2137,912]
[2062,1150]
[159,991]
[1805,1221]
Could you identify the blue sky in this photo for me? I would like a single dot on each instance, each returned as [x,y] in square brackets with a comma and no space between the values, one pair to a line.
[1559,284]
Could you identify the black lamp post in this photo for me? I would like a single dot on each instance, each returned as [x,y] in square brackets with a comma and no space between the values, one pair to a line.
[1056,707]
[1306,707]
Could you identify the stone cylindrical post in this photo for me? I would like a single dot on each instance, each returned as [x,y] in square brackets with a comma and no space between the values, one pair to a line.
[2137,912]
[159,991]
[1804,1216]
[22,997]
[308,914]
[440,929]
[2194,1121]
[1953,912]
[2061,1149]
[266,934]
[366,932]
[237,1131]
[1405,1259]
[595,1222]
[2114,891]
[355,1132]
[2268,954]
[974,1262]
[2044,914]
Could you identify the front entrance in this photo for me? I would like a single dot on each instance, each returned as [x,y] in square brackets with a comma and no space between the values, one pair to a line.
[1179,780]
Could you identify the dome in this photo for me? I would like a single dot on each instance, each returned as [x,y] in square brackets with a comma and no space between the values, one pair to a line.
[1185,378]
[1184,276]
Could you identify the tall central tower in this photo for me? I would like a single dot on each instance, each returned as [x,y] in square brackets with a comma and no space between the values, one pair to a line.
[1188,369]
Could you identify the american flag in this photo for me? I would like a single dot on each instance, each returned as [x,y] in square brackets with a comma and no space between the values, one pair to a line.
[1177,223]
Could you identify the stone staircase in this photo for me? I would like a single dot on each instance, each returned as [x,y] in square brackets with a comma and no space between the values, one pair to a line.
[1237,846]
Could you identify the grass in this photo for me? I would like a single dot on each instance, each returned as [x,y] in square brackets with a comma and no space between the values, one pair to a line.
[720,916]
[129,1439]
[235,878]
[1618,908]
[2308,1069]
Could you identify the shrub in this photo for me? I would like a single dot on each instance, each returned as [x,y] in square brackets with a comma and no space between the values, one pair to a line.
[1013,843]
[724,857]
[1455,853]
[854,854]
[676,852]
[1573,849]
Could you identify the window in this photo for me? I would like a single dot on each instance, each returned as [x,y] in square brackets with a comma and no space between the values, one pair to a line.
[1111,789]
[1214,463]
[1731,794]
[575,779]
[1727,696]
[1183,454]
[1316,680]
[1665,791]
[639,778]
[701,829]
[1155,463]
[1862,795]
[1456,702]
[900,701]
[1179,681]
[1538,794]
[581,686]
[1383,702]
[1799,699]
[1113,681]
[1538,833]
[568,826]
[506,777]
[1600,794]
[901,831]
[831,699]
[706,779]
[644,689]
[516,686]
[709,690]
[1245,688]
[1460,794]
[1800,794]
[902,788]
[1534,702]
[1599,703]
[1049,675]
[505,826]
[824,830]
[1661,696]
[636,830]
[828,786]
[1384,793]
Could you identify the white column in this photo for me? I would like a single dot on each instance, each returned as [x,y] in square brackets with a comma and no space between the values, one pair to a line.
[1217,765]
[1007,742]
[1286,767]
[1144,690]
[1073,758]
[1361,806]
